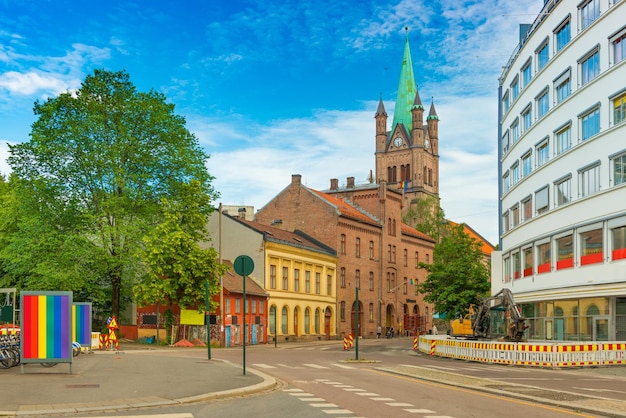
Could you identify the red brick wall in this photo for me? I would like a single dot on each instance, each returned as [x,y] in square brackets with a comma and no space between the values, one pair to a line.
[300,208]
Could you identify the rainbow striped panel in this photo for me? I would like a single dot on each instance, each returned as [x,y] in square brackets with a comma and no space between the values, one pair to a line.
[46,326]
[81,323]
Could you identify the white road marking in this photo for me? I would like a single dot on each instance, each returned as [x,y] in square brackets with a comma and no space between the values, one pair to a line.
[263,366]
[382,399]
[399,404]
[315,366]
[601,390]
[337,411]
[343,386]
[354,390]
[367,394]
[343,366]
[289,367]
[420,411]
[313,399]
[181,415]
[323,405]
[302,394]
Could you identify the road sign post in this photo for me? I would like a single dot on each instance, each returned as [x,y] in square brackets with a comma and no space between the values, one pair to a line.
[244,266]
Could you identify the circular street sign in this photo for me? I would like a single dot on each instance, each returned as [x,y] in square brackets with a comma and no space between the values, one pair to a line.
[243,265]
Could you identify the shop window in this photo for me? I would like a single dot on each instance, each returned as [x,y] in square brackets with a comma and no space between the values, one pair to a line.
[565,252]
[591,247]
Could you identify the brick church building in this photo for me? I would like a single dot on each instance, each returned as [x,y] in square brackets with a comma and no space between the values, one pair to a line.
[377,253]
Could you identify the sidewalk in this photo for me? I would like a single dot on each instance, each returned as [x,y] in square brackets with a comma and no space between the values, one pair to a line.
[128,378]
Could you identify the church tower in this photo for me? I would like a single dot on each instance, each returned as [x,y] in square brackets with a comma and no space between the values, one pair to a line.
[407,156]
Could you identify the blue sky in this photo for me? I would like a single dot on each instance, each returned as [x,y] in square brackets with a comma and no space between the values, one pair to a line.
[274,88]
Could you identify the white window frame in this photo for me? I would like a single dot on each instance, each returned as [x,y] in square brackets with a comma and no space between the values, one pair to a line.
[617,174]
[527,201]
[528,66]
[542,157]
[527,117]
[543,193]
[618,113]
[589,12]
[563,190]
[617,53]
[587,72]
[585,120]
[589,179]
[506,182]
[505,142]
[565,23]
[515,89]
[565,79]
[558,138]
[515,132]
[542,103]
[515,173]
[527,163]
[541,53]
[506,104]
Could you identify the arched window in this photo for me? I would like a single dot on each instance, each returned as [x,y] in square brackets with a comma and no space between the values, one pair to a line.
[357,278]
[273,320]
[342,277]
[284,320]
[371,250]
[371,280]
[318,313]
[307,321]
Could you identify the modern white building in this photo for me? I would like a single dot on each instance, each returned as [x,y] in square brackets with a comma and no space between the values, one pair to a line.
[562,167]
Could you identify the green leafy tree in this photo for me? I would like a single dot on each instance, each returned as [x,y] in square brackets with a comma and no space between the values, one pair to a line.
[178,269]
[100,161]
[458,275]
[428,217]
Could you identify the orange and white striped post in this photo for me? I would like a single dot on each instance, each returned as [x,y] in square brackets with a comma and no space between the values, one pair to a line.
[351,339]
[432,347]
[345,344]
[415,343]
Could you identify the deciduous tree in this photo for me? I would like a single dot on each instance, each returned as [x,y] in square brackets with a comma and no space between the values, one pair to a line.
[458,275]
[102,159]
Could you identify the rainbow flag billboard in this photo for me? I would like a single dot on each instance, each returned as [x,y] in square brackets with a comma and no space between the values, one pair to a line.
[81,323]
[46,320]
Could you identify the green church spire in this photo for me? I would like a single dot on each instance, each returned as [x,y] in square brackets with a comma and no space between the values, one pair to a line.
[406,91]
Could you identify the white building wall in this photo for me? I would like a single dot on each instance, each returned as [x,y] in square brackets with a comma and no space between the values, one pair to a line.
[604,209]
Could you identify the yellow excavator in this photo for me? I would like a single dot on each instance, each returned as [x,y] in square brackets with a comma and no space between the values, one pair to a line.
[497,318]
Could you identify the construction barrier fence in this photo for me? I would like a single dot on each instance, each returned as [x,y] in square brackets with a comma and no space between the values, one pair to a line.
[539,354]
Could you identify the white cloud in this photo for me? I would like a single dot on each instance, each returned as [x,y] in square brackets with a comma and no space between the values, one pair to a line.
[31,82]
[339,144]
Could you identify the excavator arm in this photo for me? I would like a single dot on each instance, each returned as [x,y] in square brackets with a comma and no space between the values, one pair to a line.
[499,317]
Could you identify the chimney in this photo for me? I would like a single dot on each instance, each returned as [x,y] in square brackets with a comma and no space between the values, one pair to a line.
[296,179]
[350,184]
[334,184]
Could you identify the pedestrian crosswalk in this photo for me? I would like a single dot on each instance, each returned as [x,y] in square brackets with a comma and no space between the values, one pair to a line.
[333,409]
[302,366]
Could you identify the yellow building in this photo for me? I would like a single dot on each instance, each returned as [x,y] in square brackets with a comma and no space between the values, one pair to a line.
[297,271]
